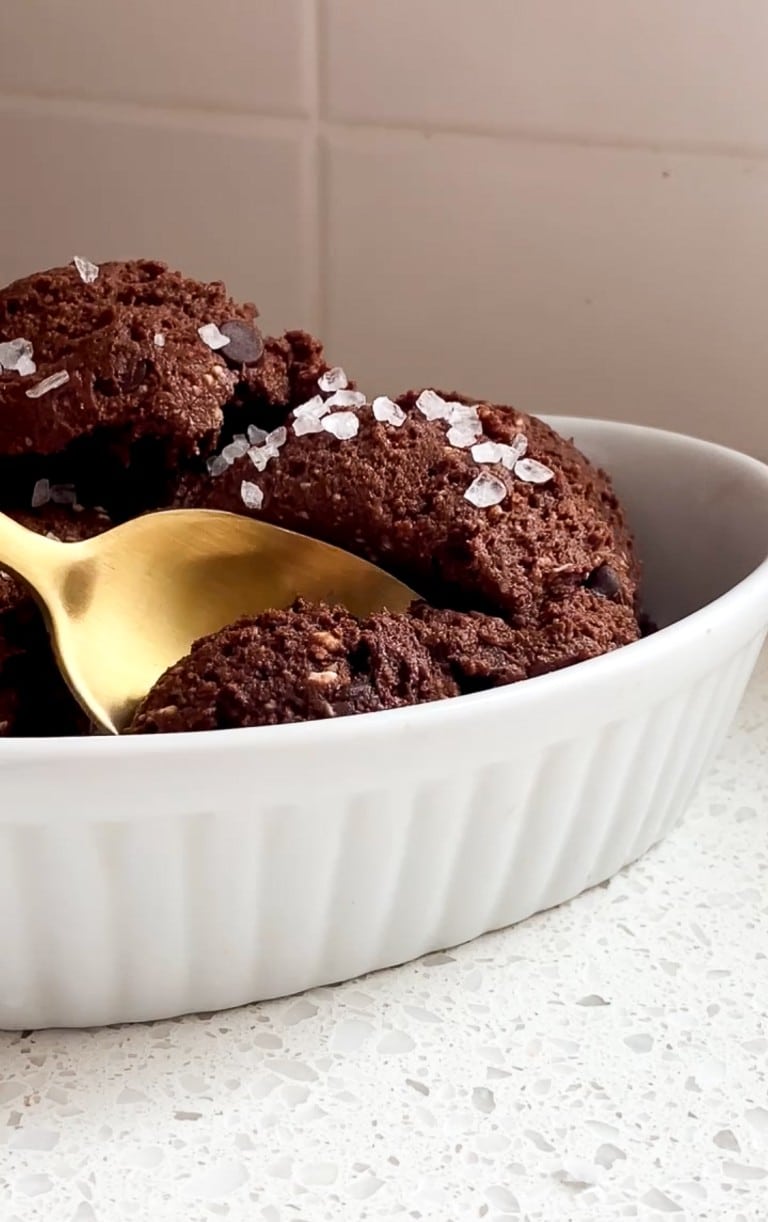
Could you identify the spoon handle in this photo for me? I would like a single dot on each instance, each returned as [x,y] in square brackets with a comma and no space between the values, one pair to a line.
[34,558]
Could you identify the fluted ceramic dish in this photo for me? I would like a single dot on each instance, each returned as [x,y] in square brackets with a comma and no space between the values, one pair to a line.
[152,876]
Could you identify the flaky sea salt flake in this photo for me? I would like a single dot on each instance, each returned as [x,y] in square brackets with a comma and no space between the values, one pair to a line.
[463,414]
[341,425]
[87,271]
[487,451]
[333,379]
[533,472]
[16,355]
[217,465]
[41,493]
[255,435]
[485,490]
[462,436]
[212,336]
[432,405]
[346,398]
[307,424]
[236,449]
[386,411]
[277,438]
[51,383]
[251,495]
[314,407]
[159,339]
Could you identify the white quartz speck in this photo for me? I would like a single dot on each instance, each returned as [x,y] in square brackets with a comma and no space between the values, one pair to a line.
[537,1109]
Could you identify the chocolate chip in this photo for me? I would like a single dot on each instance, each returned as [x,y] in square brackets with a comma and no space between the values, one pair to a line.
[133,378]
[604,581]
[245,345]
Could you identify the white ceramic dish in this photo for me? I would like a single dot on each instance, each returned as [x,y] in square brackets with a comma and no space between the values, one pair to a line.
[152,876]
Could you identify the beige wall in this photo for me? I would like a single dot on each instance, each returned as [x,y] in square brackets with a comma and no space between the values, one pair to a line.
[563,203]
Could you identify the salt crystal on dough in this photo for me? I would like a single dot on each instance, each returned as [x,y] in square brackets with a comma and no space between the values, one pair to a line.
[316,407]
[307,424]
[235,449]
[346,398]
[462,436]
[16,354]
[432,405]
[342,425]
[51,383]
[159,339]
[277,437]
[87,271]
[212,336]
[41,493]
[533,472]
[507,455]
[388,412]
[485,490]
[487,451]
[333,379]
[251,494]
[217,465]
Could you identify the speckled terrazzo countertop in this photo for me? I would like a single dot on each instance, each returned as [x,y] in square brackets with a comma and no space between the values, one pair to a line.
[605,1060]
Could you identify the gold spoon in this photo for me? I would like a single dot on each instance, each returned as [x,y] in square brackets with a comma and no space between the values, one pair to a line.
[125,605]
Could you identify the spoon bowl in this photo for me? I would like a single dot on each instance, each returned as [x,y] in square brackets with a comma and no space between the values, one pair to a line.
[125,605]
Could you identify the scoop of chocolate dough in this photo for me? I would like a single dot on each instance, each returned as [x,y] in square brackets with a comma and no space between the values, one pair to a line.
[475,506]
[312,662]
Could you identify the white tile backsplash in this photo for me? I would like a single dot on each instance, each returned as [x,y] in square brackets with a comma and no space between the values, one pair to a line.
[561,279]
[558,204]
[236,54]
[220,205]
[620,70]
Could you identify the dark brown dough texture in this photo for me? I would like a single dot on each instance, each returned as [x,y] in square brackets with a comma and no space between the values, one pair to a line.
[396,496]
[34,699]
[149,413]
[314,662]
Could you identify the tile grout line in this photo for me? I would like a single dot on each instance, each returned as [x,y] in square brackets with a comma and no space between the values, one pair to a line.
[311,170]
[316,124]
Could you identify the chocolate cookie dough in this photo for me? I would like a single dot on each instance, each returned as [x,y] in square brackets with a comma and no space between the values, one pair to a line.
[474,506]
[316,662]
[131,349]
[34,699]
[131,386]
